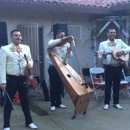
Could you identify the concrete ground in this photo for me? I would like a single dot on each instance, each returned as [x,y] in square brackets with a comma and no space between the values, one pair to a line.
[95,119]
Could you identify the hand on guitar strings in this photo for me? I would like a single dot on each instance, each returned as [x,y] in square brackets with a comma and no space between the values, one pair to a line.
[120,53]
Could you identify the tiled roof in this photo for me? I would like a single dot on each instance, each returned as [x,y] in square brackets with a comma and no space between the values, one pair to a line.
[78,3]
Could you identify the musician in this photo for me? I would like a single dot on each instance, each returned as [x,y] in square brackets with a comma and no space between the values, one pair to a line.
[12,65]
[60,46]
[113,67]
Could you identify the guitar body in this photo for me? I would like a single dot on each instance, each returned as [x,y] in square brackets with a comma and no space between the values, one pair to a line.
[122,58]
[79,94]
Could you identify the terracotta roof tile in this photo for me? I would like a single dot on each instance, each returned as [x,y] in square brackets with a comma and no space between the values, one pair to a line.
[82,3]
[91,3]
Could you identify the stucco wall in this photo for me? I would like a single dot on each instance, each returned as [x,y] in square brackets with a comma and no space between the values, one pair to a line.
[47,19]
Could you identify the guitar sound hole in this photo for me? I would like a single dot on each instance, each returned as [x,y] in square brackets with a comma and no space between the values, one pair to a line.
[69,75]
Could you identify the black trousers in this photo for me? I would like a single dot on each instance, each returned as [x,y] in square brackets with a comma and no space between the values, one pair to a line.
[14,84]
[112,78]
[55,86]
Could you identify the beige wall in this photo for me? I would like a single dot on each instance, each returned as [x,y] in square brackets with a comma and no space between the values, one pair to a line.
[47,19]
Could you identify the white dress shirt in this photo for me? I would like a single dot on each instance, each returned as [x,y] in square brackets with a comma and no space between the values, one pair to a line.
[104,47]
[61,51]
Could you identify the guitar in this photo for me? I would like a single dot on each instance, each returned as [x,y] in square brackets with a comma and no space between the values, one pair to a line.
[115,56]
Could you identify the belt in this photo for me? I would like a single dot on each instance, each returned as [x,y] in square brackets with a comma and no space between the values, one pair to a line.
[15,75]
[20,75]
[113,65]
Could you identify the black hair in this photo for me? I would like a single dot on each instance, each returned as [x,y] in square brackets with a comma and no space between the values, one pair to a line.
[110,29]
[59,31]
[15,30]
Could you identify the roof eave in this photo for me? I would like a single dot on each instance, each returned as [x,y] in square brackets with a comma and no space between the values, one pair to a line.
[87,10]
[119,7]
[62,8]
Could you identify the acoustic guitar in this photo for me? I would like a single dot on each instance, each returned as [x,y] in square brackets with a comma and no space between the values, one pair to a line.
[115,56]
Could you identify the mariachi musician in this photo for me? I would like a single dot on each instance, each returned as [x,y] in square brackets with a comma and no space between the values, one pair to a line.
[61,47]
[12,79]
[113,67]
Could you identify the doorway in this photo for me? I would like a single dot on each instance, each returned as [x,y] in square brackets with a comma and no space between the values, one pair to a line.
[41,53]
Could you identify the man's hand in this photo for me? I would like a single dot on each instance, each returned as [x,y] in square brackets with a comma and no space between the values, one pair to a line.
[71,38]
[64,40]
[104,54]
[67,38]
[3,87]
[120,53]
[28,66]
[68,50]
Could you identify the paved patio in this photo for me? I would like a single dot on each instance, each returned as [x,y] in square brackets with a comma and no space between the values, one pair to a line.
[95,119]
